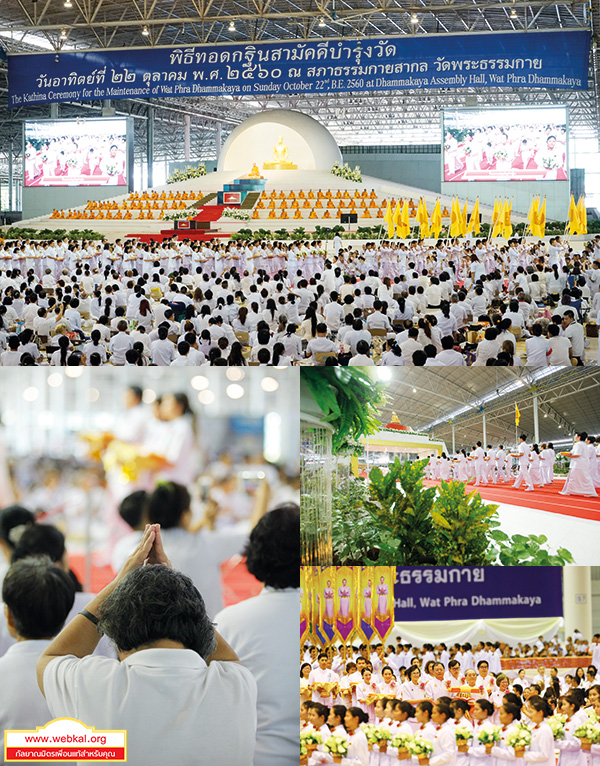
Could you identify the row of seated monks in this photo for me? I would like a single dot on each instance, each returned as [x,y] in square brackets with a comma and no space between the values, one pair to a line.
[310,194]
[137,205]
[93,215]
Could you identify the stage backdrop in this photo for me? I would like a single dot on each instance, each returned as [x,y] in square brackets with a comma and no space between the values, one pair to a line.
[516,60]
[471,593]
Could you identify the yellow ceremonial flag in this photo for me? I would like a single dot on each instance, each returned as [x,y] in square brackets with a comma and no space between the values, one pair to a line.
[455,218]
[496,211]
[499,225]
[463,220]
[517,415]
[396,215]
[540,220]
[423,218]
[581,209]
[474,219]
[436,220]
[388,218]
[403,225]
[573,216]
[507,230]
[532,214]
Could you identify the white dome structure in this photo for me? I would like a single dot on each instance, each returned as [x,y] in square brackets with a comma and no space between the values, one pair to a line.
[310,145]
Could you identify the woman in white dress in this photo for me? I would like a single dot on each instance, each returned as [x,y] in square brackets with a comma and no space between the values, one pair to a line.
[569,746]
[579,481]
[412,690]
[444,467]
[509,715]
[535,466]
[382,597]
[178,441]
[358,752]
[541,750]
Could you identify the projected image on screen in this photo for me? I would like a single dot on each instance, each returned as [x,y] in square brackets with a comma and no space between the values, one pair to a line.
[505,145]
[76,153]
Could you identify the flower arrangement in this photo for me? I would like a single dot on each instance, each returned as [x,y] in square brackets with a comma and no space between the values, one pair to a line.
[71,162]
[236,213]
[588,733]
[44,158]
[550,162]
[345,171]
[309,737]
[178,215]
[401,741]
[467,150]
[382,733]
[501,154]
[189,172]
[111,169]
[370,731]
[420,747]
[519,738]
[488,736]
[462,735]
[337,745]
[557,724]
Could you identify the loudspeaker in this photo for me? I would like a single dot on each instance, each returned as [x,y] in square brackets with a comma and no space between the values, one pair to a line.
[348,217]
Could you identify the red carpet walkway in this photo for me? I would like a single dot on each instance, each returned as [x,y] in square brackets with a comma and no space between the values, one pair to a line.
[543,498]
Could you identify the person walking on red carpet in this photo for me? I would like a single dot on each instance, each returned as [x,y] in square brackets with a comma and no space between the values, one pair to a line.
[522,454]
[579,481]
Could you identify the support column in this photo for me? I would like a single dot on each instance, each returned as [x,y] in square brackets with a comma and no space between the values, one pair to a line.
[150,145]
[453,441]
[10,175]
[536,422]
[218,141]
[186,137]
[484,432]
[54,111]
[577,599]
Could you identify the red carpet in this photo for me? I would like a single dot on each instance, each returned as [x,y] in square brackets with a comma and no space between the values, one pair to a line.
[238,583]
[543,498]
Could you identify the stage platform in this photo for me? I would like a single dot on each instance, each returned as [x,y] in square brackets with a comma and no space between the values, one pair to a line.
[279,180]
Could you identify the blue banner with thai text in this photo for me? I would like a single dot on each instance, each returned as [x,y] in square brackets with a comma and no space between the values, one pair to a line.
[472,593]
[527,60]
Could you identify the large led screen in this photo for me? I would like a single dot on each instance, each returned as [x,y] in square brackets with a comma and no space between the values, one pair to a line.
[505,144]
[76,152]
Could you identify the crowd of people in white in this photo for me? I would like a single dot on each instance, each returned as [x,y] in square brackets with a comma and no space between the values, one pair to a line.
[436,692]
[271,303]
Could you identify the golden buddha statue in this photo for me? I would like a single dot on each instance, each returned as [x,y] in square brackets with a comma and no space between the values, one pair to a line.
[255,172]
[280,158]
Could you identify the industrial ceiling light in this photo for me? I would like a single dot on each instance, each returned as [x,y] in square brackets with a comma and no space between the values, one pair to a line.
[414,19]
[321,22]
[513,13]
[68,4]
[232,26]
[63,34]
[145,31]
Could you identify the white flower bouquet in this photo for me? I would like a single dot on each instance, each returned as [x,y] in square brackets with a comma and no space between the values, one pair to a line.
[467,150]
[557,724]
[519,738]
[401,741]
[71,162]
[422,748]
[370,731]
[501,154]
[383,735]
[462,735]
[112,169]
[338,746]
[236,213]
[179,215]
[310,738]
[588,733]
[488,735]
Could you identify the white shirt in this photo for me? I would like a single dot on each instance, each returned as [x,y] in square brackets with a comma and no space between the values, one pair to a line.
[22,705]
[199,555]
[175,708]
[263,633]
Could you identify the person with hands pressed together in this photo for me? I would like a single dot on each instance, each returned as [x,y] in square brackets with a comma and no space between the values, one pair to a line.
[178,688]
